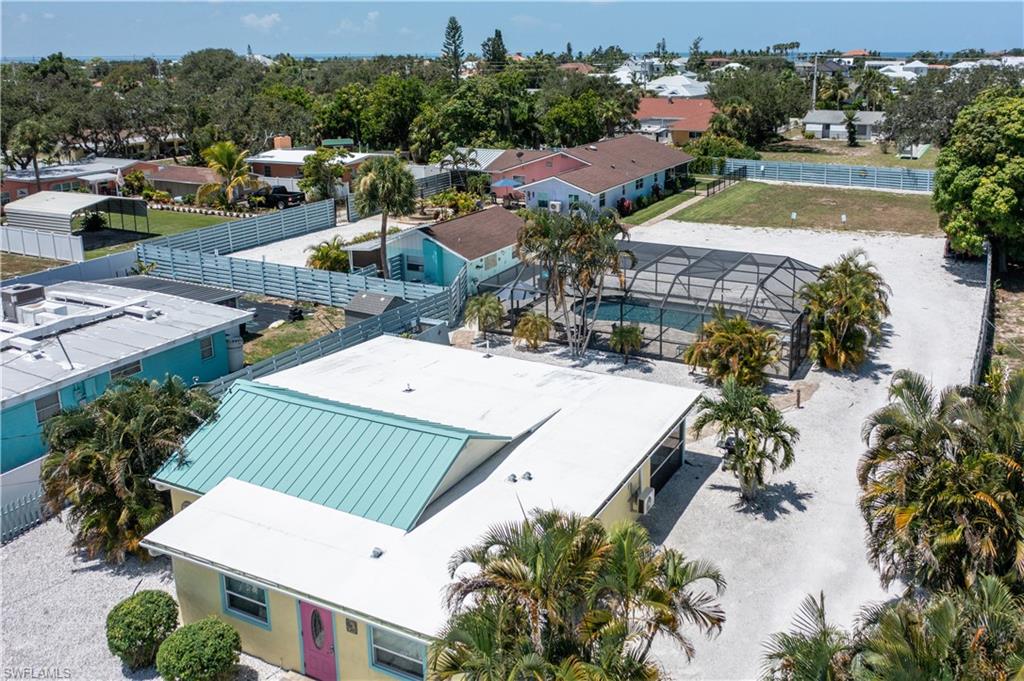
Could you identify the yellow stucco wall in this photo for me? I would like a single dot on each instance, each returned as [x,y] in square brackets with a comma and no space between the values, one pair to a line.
[179,497]
[621,506]
[199,596]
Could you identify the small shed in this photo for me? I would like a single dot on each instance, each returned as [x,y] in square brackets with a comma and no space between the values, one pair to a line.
[56,211]
[368,304]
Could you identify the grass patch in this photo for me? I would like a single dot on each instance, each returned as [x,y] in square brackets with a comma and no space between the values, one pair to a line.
[1008,340]
[836,151]
[161,223]
[659,207]
[12,265]
[319,321]
[757,204]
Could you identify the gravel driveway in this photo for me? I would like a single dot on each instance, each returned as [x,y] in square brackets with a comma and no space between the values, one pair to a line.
[805,534]
[54,605]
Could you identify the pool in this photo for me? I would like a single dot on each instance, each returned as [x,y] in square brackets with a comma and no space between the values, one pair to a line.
[639,312]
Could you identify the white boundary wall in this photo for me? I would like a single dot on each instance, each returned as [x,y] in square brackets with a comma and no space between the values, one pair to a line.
[42,243]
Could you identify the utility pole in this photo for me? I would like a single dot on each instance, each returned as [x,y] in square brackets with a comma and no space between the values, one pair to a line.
[814,84]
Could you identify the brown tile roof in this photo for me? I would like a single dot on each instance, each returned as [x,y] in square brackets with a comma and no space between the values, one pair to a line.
[171,173]
[577,66]
[688,114]
[856,53]
[477,234]
[619,161]
[510,158]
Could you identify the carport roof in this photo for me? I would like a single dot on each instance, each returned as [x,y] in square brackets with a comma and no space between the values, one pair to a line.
[68,203]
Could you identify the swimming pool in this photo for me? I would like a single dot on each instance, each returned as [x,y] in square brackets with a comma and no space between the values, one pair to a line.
[639,312]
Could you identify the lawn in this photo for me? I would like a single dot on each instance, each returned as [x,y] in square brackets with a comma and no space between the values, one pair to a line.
[12,265]
[319,321]
[161,223]
[757,204]
[836,151]
[669,202]
[1008,343]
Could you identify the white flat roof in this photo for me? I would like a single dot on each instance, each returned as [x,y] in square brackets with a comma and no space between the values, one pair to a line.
[591,432]
[66,170]
[104,344]
[297,157]
[60,203]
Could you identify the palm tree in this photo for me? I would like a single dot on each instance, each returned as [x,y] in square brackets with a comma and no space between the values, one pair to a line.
[228,162]
[459,159]
[850,122]
[762,439]
[328,255]
[733,346]
[872,87]
[910,640]
[33,138]
[834,90]
[941,484]
[486,310]
[533,329]
[813,650]
[103,455]
[626,338]
[558,596]
[846,307]
[385,184]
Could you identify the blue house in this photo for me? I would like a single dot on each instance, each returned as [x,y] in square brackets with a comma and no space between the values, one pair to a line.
[60,346]
[483,242]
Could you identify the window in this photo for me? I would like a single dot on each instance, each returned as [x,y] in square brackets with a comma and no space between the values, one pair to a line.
[414,267]
[125,371]
[47,407]
[396,653]
[521,179]
[574,200]
[245,601]
[5,198]
[22,193]
[266,171]
[64,186]
[694,135]
[491,261]
[548,164]
[206,347]
[639,184]
[601,200]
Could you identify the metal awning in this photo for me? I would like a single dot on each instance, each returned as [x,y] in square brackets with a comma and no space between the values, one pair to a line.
[55,211]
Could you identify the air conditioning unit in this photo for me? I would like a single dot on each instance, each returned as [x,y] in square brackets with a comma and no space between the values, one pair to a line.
[645,500]
[555,206]
[18,295]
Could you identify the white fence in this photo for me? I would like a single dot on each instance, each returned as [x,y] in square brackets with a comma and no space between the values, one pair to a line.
[41,243]
[107,267]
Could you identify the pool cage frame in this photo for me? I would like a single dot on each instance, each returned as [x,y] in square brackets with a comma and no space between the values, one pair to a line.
[680,285]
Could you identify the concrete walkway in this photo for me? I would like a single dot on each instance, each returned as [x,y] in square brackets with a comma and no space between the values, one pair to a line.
[664,215]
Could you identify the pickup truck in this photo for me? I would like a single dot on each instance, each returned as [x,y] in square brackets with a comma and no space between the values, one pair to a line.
[277,196]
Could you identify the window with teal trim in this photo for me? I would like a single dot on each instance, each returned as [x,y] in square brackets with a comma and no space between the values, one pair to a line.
[397,654]
[246,600]
[206,347]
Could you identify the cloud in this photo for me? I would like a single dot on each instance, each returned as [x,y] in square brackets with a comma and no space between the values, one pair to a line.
[24,18]
[532,22]
[261,23]
[49,15]
[405,30]
[367,25]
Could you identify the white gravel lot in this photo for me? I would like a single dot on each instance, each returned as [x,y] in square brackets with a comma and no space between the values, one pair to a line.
[54,605]
[293,251]
[806,534]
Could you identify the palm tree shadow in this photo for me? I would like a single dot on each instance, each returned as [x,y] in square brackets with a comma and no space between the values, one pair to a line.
[772,501]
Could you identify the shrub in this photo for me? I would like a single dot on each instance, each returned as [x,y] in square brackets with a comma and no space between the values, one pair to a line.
[138,625]
[206,650]
[135,183]
[709,147]
[156,195]
[94,222]
[808,135]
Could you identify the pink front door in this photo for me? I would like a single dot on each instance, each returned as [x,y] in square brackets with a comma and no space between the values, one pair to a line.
[317,626]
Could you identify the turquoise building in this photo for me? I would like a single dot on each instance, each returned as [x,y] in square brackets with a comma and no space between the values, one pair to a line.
[60,347]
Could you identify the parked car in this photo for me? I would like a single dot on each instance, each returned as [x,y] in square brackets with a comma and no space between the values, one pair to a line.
[277,196]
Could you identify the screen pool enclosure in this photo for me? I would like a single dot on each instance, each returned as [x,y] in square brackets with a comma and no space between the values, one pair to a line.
[670,291]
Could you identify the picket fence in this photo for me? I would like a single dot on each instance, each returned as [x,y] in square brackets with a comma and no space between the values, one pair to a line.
[903,179]
[41,243]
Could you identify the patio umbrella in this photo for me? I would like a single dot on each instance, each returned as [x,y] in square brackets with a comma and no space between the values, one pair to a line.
[506,182]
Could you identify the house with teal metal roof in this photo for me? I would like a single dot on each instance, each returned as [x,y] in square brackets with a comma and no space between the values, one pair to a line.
[378,466]
[318,510]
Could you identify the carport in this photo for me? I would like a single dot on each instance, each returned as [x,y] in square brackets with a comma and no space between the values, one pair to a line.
[56,211]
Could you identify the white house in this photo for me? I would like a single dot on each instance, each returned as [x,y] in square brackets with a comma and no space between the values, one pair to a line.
[678,86]
[831,124]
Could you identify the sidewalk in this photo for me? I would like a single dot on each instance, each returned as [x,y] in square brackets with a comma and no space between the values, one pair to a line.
[671,211]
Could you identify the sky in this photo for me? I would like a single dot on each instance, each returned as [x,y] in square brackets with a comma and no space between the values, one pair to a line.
[147,28]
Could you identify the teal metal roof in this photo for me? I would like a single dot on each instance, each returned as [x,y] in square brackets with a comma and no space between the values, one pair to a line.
[380,466]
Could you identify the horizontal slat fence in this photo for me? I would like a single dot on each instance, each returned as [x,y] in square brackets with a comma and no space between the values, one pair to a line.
[230,237]
[903,179]
[272,279]
[393,321]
